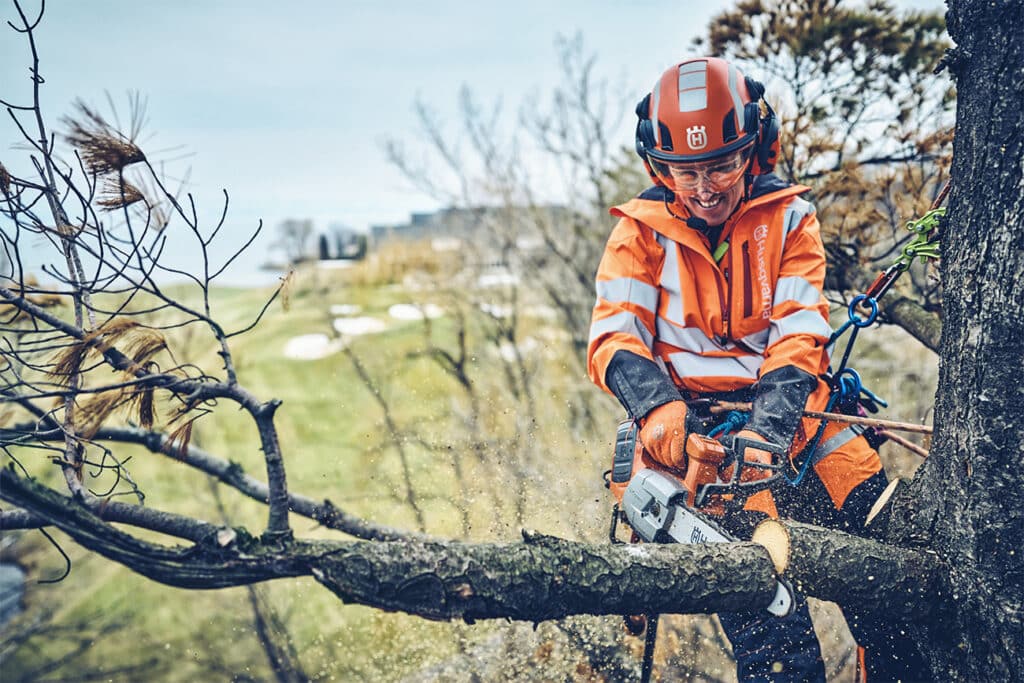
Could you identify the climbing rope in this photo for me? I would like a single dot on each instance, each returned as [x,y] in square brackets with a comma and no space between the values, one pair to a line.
[848,393]
[924,245]
[857,323]
[812,445]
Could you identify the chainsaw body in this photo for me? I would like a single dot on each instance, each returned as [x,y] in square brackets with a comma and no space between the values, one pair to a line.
[664,505]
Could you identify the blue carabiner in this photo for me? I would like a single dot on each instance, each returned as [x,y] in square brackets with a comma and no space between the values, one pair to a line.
[855,319]
[847,384]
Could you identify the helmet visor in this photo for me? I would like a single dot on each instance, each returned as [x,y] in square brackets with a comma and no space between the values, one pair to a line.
[718,175]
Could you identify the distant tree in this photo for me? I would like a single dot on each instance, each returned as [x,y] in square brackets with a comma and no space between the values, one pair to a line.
[295,239]
[349,244]
[573,127]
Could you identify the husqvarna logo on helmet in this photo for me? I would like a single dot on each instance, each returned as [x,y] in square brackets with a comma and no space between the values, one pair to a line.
[697,137]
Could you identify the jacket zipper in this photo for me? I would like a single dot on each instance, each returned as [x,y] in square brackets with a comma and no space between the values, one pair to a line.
[748,293]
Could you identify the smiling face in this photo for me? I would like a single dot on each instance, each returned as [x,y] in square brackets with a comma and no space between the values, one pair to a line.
[696,132]
[711,189]
[713,207]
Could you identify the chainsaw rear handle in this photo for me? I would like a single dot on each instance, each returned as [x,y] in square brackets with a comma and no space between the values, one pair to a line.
[741,443]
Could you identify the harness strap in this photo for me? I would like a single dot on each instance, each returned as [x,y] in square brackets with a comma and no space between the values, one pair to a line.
[836,442]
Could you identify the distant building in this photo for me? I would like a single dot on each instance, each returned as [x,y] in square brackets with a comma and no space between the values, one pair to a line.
[522,225]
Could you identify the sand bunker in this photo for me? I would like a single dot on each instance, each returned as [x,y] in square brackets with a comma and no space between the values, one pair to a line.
[311,347]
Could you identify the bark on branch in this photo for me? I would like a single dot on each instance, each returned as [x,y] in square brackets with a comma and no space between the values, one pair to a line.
[850,570]
[538,579]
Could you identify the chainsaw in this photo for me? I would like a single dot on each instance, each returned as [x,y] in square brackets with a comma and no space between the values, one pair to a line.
[667,505]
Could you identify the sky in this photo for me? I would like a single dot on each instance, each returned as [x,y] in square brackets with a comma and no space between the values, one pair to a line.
[287,105]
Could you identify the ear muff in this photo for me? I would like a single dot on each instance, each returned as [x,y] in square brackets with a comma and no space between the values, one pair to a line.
[766,150]
[645,135]
[768,142]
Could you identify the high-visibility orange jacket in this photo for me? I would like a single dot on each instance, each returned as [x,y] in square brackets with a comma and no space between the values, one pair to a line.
[714,327]
[757,317]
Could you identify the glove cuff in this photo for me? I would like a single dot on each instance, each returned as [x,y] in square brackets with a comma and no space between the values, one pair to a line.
[639,384]
[779,403]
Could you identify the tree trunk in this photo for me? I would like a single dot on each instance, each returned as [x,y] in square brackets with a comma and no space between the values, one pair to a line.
[965,501]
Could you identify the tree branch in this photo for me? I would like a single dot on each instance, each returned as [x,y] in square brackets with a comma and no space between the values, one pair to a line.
[539,579]
[225,471]
[878,578]
[194,391]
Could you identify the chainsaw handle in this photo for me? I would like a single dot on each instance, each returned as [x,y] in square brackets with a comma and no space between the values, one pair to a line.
[739,445]
[741,490]
[734,456]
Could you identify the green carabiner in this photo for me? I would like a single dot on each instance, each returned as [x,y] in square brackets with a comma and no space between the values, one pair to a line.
[920,246]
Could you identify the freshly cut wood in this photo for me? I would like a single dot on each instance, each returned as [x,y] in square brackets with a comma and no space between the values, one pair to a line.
[881,503]
[773,536]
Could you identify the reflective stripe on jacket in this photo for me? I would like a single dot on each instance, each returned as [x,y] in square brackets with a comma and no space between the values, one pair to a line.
[713,327]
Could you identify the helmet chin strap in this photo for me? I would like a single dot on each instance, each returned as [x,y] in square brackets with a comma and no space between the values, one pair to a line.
[668,207]
[712,232]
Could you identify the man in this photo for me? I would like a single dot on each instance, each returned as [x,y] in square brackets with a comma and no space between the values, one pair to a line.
[711,287]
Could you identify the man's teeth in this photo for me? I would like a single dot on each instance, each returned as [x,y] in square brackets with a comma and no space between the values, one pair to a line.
[711,203]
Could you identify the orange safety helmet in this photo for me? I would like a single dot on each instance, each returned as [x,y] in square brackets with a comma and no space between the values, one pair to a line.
[702,109]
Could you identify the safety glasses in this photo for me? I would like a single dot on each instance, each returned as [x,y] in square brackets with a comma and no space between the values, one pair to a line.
[719,174]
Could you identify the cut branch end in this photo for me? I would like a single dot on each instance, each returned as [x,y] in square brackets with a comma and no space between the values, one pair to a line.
[775,538]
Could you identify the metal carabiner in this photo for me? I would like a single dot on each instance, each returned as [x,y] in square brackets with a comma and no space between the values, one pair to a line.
[855,319]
